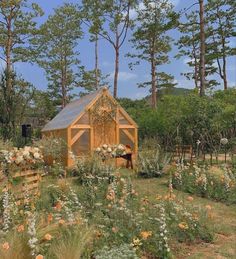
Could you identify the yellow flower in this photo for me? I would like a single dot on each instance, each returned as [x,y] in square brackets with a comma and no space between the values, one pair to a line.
[190,198]
[39,257]
[20,228]
[158,197]
[5,246]
[145,234]
[48,237]
[136,242]
[183,225]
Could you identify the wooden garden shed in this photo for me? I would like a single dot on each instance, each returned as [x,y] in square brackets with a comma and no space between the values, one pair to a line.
[91,121]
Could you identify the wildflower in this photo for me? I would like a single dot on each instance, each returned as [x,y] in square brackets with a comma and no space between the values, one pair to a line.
[114,229]
[146,234]
[5,246]
[183,225]
[158,197]
[208,207]
[195,216]
[20,228]
[98,234]
[50,218]
[190,198]
[39,257]
[136,242]
[47,237]
[61,222]
[145,201]
[58,206]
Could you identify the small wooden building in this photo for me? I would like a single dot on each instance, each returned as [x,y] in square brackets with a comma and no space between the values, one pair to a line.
[91,121]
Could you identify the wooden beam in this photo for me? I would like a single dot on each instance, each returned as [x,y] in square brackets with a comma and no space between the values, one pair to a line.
[136,141]
[91,133]
[127,117]
[77,136]
[123,126]
[81,126]
[128,135]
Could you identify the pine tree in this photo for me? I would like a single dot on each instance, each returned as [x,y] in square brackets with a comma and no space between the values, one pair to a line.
[57,53]
[150,38]
[17,27]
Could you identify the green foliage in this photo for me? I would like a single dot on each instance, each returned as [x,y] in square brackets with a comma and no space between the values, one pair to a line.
[92,170]
[206,183]
[56,49]
[151,162]
[121,252]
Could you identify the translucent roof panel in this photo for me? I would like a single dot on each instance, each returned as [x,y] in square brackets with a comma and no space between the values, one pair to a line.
[69,114]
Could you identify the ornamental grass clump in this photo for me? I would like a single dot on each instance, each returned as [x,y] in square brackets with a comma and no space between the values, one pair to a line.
[151,163]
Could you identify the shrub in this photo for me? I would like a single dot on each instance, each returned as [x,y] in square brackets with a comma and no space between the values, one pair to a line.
[201,181]
[92,170]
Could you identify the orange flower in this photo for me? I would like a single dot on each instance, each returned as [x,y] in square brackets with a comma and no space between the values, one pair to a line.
[145,234]
[111,195]
[20,228]
[190,198]
[18,203]
[61,222]
[50,217]
[208,207]
[58,206]
[39,257]
[5,246]
[98,234]
[183,225]
[48,237]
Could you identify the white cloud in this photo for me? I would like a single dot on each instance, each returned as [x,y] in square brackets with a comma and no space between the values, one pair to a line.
[133,12]
[123,76]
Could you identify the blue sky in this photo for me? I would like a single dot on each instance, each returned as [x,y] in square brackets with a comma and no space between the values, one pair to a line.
[127,85]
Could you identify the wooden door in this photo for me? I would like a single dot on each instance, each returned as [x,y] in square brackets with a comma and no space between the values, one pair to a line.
[105,133]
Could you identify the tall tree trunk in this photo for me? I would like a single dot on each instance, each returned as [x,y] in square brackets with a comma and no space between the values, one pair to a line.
[96,63]
[116,72]
[63,87]
[154,88]
[224,66]
[196,64]
[117,54]
[202,49]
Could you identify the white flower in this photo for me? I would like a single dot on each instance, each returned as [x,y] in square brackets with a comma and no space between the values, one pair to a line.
[19,160]
[36,155]
[224,141]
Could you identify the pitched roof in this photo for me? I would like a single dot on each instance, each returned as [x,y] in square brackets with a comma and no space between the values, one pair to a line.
[69,114]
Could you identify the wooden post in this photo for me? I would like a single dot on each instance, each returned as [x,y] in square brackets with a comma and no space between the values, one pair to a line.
[91,133]
[69,161]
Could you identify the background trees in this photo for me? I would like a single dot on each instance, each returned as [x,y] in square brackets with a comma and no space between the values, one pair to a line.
[150,39]
[17,28]
[56,49]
